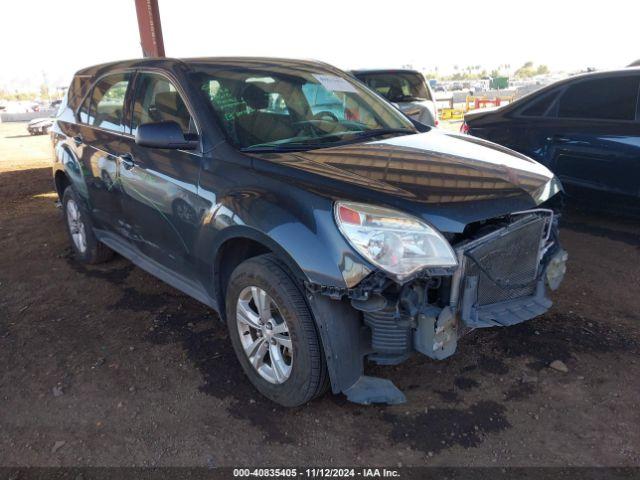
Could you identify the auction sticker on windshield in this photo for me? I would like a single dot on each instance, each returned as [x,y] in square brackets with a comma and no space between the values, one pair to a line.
[334,83]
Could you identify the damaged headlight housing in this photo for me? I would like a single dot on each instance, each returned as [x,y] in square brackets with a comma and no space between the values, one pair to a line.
[394,241]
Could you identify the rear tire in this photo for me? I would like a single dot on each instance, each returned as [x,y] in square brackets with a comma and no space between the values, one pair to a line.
[85,245]
[305,377]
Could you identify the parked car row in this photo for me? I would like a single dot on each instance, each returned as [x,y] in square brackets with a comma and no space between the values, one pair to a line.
[323,225]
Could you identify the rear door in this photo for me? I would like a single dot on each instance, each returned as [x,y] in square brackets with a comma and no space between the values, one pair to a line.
[593,139]
[100,138]
[160,186]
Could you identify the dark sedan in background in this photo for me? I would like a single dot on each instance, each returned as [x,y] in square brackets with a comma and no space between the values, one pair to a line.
[586,129]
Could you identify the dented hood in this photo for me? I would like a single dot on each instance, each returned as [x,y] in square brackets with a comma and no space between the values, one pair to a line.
[450,180]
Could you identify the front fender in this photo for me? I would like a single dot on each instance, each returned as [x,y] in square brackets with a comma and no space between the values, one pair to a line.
[297,225]
[311,253]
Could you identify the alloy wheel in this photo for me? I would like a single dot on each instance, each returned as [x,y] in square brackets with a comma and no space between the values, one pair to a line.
[264,335]
[76,226]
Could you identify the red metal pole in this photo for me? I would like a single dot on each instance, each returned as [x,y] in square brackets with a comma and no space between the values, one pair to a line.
[150,28]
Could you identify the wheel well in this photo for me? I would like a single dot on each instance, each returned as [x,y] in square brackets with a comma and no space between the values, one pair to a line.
[61,182]
[231,254]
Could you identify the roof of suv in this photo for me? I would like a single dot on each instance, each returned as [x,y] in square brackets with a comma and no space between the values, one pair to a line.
[84,77]
[246,62]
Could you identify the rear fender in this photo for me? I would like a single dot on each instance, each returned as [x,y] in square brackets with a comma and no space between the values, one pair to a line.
[68,163]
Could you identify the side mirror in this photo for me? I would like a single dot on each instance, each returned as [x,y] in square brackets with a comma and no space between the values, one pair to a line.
[164,135]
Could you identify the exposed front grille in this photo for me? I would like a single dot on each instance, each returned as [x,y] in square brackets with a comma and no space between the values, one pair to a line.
[504,265]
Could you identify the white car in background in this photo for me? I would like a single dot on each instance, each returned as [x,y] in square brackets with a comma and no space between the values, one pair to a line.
[406,89]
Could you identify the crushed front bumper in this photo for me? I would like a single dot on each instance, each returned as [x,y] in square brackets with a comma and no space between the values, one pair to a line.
[501,280]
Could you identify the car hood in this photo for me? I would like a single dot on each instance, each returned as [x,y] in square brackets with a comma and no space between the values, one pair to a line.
[450,180]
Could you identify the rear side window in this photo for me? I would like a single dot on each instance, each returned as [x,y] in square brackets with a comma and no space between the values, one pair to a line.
[80,86]
[108,103]
[603,98]
[539,106]
[158,100]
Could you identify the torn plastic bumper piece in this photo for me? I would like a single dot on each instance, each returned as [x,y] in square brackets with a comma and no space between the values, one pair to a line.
[512,312]
[367,390]
[503,314]
[556,268]
[437,334]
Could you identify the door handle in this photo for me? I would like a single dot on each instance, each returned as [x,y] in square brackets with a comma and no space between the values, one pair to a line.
[78,140]
[127,161]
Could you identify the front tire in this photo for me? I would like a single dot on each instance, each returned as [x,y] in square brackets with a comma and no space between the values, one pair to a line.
[273,333]
[85,245]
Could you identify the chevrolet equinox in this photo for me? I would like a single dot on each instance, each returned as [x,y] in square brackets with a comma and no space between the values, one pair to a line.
[322,237]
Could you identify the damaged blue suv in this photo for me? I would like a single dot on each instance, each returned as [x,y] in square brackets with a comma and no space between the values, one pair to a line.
[322,238]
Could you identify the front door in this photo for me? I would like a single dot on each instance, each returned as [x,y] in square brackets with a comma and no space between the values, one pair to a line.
[160,186]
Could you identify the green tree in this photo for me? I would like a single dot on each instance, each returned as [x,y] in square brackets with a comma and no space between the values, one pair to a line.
[542,70]
[525,71]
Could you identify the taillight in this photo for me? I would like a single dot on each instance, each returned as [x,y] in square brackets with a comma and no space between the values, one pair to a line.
[464,128]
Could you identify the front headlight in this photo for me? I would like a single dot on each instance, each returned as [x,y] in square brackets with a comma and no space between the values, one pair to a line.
[396,242]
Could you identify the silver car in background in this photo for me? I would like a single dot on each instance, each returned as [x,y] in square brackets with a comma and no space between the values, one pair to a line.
[40,126]
[406,89]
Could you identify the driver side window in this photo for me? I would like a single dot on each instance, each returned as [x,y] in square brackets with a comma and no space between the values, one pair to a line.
[158,100]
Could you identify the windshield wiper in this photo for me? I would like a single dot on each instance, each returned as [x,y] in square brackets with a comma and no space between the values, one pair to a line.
[409,98]
[302,144]
[290,147]
[313,143]
[383,131]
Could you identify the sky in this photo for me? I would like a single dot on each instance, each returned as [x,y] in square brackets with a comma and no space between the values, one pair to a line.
[51,39]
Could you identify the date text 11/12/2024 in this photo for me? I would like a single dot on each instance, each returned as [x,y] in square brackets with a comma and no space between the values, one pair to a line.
[316,473]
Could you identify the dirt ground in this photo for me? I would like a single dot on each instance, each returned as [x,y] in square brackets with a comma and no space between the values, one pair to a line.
[108,366]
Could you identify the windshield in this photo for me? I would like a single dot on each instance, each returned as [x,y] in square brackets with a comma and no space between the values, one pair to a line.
[286,108]
[397,86]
